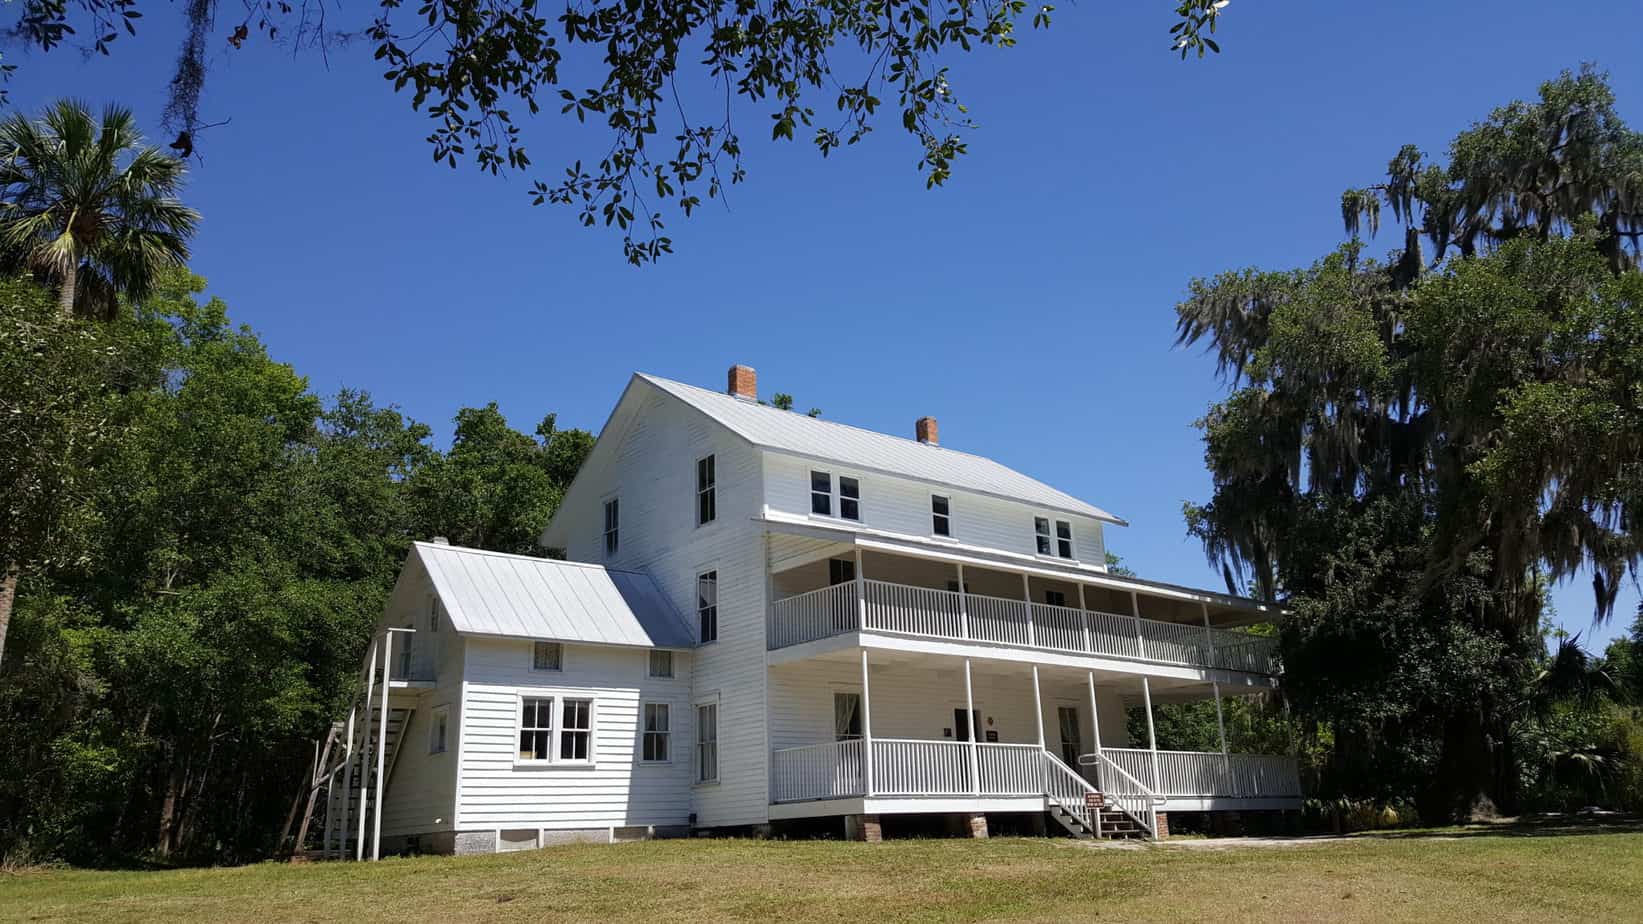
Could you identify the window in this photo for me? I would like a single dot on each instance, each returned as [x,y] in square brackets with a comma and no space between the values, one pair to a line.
[1055,598]
[1072,744]
[535,727]
[1059,543]
[941,522]
[707,606]
[846,716]
[840,571]
[821,493]
[433,613]
[707,743]
[548,656]
[576,729]
[612,521]
[438,730]
[706,503]
[655,745]
[849,498]
[661,664]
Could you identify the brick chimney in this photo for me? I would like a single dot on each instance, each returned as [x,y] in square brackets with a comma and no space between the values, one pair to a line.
[744,382]
[927,431]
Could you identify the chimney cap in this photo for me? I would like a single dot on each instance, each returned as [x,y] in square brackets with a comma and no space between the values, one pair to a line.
[441,540]
[927,431]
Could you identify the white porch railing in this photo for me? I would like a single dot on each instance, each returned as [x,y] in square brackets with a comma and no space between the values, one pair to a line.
[903,767]
[817,771]
[930,613]
[1010,769]
[1210,774]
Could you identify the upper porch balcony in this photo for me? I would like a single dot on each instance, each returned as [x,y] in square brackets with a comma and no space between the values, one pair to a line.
[930,600]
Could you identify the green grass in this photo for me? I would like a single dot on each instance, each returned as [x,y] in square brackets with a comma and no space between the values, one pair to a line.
[1445,875]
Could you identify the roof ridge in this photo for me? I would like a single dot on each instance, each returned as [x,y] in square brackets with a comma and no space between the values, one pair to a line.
[447,547]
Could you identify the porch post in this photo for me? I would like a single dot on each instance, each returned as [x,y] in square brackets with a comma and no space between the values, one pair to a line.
[1135,614]
[1209,638]
[339,807]
[1152,734]
[1084,618]
[1027,597]
[866,721]
[963,608]
[1038,708]
[969,717]
[1221,726]
[364,744]
[1095,717]
[861,604]
[382,741]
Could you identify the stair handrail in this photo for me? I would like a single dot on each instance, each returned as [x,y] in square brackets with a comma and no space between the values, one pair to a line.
[1077,809]
[1143,793]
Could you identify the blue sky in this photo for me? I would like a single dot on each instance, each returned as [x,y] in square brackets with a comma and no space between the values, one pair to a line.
[1028,305]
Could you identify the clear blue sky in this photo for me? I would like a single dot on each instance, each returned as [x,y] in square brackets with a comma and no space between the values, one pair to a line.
[1028,305]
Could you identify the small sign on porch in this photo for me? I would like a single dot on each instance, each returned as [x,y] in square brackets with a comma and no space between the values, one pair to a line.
[1095,801]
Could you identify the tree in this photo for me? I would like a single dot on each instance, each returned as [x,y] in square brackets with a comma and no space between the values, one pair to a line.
[1468,424]
[89,205]
[471,64]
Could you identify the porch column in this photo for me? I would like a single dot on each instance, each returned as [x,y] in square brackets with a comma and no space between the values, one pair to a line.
[1084,617]
[1152,734]
[969,717]
[1038,708]
[1221,726]
[963,609]
[861,605]
[337,815]
[1209,638]
[364,745]
[1135,614]
[382,740]
[1095,717]
[866,720]
[1027,596]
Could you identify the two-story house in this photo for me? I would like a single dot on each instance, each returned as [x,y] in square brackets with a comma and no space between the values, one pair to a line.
[769,620]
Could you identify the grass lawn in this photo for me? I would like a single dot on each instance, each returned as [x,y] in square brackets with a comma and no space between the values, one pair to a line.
[1471,875]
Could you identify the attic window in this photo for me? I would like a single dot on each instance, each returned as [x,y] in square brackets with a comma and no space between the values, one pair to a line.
[941,521]
[821,494]
[1058,542]
[548,656]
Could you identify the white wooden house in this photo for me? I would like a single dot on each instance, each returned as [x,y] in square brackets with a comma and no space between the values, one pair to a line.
[766,619]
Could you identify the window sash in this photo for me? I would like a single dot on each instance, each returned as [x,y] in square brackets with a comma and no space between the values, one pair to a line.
[821,493]
[1063,539]
[849,498]
[576,730]
[707,606]
[661,663]
[547,656]
[941,522]
[706,495]
[707,743]
[536,728]
[657,734]
[1041,530]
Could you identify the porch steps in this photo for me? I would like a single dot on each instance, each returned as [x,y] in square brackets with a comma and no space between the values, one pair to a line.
[1115,824]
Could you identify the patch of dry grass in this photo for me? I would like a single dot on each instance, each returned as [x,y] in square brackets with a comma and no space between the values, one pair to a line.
[1490,876]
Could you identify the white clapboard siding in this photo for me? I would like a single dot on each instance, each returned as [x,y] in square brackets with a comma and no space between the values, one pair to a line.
[618,788]
[647,458]
[901,505]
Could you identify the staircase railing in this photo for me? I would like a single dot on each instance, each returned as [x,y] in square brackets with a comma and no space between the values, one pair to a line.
[1068,789]
[1133,797]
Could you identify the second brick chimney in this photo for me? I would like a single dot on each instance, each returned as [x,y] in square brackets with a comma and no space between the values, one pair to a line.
[927,431]
[744,382]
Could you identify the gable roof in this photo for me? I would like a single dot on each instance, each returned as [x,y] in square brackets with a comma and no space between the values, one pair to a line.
[797,434]
[518,596]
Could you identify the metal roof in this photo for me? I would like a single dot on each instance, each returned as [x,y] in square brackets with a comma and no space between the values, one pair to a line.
[518,596]
[785,431]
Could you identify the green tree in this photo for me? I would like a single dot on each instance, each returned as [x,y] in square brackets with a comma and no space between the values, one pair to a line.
[471,64]
[89,205]
[1466,427]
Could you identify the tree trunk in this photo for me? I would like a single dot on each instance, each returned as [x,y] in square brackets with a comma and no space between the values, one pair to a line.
[65,294]
[8,596]
[1463,787]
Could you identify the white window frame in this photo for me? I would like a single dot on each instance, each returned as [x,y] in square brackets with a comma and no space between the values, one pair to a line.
[699,744]
[440,742]
[834,495]
[1053,526]
[556,700]
[665,733]
[941,517]
[701,637]
[710,492]
[650,663]
[610,537]
[559,669]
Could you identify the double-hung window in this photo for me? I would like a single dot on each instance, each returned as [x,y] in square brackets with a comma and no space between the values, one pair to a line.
[655,746]
[576,730]
[707,508]
[1057,541]
[535,727]
[539,730]
[707,743]
[707,606]
[613,520]
[821,496]
[941,519]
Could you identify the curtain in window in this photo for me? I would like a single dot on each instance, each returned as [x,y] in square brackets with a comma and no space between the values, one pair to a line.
[846,716]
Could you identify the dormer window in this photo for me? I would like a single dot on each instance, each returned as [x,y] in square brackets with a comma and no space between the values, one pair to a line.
[821,496]
[1056,541]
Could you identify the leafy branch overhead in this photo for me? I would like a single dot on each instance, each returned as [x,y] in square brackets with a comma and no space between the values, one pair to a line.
[819,68]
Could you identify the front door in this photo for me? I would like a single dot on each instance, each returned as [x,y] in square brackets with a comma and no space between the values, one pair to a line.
[963,730]
[1072,744]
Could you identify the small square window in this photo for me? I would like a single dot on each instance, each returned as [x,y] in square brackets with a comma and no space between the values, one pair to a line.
[661,663]
[941,523]
[849,498]
[548,656]
[821,494]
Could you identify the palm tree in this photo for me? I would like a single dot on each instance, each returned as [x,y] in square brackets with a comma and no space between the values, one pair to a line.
[70,211]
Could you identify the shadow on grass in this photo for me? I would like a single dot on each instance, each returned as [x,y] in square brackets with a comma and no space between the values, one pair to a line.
[1526,826]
